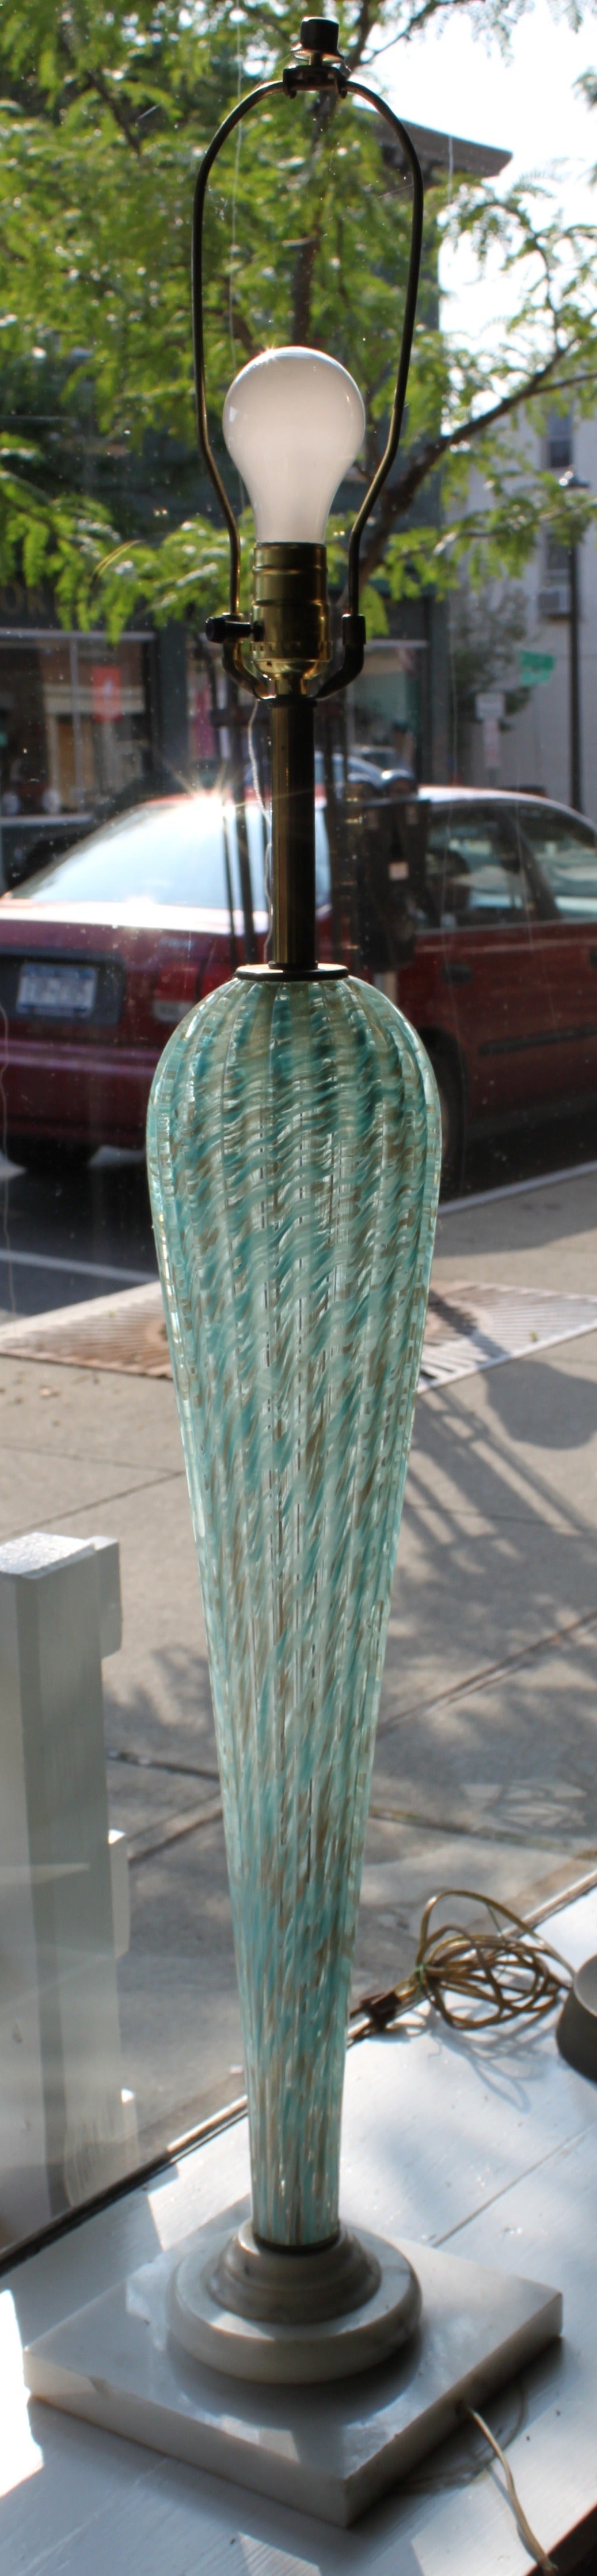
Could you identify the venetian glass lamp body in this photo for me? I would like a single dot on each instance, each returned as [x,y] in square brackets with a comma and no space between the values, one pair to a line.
[293,1160]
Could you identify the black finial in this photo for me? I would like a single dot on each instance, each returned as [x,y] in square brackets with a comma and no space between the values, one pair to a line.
[320,35]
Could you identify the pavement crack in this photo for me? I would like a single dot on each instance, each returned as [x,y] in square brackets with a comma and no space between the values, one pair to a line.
[485,1673]
[476,1830]
[104,1502]
[158,1762]
[143,1845]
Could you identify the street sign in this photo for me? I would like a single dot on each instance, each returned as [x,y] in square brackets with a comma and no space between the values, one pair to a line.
[536,666]
[490,706]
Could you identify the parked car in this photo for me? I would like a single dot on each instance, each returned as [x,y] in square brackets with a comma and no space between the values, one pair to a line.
[28,842]
[502,977]
[100,954]
[478,911]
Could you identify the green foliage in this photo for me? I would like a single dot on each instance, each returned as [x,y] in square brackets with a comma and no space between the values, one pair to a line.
[104,114]
[59,544]
[191,564]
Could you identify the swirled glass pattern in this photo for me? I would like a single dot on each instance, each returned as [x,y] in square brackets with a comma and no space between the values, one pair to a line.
[293,1153]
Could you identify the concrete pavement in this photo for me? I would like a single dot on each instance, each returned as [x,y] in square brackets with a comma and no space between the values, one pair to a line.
[486,1763]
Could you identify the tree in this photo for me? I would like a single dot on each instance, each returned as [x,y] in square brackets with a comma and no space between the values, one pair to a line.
[104,112]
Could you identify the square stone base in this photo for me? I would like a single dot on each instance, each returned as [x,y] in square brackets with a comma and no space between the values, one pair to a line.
[329,2451]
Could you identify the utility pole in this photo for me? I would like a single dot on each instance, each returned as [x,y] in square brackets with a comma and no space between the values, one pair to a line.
[574,682]
[571,482]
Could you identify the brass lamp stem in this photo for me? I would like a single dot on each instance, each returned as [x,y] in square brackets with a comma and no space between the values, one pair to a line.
[293,835]
[290,646]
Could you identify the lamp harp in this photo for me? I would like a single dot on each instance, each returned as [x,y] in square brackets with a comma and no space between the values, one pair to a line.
[318,67]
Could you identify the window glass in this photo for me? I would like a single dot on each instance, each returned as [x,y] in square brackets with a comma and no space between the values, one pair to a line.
[135,802]
[559,442]
[91,1442]
[473,875]
[75,734]
[567,858]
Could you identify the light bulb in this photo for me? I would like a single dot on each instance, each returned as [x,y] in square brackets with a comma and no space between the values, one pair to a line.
[293,421]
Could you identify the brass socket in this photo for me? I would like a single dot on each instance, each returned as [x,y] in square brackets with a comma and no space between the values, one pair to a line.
[290,605]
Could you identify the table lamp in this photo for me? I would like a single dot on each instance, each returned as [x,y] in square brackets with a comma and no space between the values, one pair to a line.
[293,1156]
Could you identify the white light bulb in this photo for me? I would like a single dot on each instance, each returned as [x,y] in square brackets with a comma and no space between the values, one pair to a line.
[293,421]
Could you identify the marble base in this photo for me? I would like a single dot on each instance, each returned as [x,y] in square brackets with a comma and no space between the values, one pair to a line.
[300,2323]
[116,2363]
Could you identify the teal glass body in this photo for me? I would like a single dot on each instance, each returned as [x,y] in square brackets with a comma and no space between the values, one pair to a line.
[293,1155]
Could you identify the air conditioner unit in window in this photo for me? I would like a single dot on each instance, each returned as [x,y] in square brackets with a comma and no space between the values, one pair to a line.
[554,600]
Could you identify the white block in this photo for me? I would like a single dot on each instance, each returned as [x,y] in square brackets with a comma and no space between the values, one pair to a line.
[121,1903]
[61,2123]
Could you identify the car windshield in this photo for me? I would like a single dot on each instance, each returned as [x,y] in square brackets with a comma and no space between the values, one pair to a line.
[169,853]
[566,853]
[181,851]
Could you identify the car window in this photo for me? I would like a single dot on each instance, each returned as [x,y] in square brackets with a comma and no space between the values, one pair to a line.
[172,853]
[472,872]
[566,854]
[168,853]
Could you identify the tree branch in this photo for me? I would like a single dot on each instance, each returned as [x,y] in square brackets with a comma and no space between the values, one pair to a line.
[366,20]
[397,497]
[96,80]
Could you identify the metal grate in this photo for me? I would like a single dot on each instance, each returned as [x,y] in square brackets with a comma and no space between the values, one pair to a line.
[473,1327]
[469,1327]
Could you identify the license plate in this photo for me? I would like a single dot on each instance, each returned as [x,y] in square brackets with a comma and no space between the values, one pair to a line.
[57,992]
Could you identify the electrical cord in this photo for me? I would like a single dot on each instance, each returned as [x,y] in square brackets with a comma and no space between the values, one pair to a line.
[476,1976]
[547,2565]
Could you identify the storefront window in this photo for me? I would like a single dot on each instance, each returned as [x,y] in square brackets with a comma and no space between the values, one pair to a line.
[74,735]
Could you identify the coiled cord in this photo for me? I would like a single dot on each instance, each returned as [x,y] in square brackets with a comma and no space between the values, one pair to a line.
[475,1975]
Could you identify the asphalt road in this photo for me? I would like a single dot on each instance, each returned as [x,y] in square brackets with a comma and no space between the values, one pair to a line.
[66,1238]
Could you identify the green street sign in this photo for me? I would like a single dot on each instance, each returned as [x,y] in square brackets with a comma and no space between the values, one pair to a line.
[536,666]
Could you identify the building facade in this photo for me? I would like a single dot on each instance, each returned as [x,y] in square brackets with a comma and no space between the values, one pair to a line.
[533,745]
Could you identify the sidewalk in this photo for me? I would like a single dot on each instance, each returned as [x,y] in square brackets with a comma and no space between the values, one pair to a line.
[486,1769]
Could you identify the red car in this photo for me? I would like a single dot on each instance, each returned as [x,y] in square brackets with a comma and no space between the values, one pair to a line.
[101,954]
[502,978]
[478,911]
